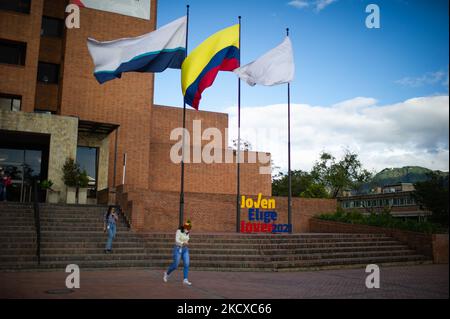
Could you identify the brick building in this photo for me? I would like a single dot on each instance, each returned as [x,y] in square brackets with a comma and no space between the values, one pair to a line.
[397,198]
[52,108]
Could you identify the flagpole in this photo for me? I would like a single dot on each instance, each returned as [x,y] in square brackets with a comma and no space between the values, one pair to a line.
[181,213]
[238,206]
[289,153]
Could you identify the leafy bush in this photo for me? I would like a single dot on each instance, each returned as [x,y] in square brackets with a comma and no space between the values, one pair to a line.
[384,219]
[46,184]
[73,176]
[71,171]
[83,180]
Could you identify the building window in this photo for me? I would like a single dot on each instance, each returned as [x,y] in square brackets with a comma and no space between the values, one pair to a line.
[48,73]
[40,111]
[12,52]
[10,102]
[52,27]
[22,6]
[87,157]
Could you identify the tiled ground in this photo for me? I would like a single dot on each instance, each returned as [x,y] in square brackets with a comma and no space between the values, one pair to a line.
[426,281]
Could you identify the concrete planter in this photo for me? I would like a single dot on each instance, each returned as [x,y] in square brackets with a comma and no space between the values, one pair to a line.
[82,196]
[71,195]
[52,196]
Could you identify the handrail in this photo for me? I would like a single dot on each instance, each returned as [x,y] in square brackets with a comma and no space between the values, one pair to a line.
[37,219]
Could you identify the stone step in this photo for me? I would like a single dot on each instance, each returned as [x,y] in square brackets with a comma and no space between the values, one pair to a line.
[74,251]
[54,221]
[46,208]
[46,228]
[71,258]
[14,246]
[260,236]
[275,246]
[31,250]
[275,241]
[306,256]
[220,265]
[348,261]
[123,255]
[223,251]
[93,234]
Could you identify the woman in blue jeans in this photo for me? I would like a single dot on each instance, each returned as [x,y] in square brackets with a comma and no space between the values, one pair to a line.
[110,226]
[181,250]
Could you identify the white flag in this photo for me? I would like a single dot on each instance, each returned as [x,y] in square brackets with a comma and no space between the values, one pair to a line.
[273,68]
[152,52]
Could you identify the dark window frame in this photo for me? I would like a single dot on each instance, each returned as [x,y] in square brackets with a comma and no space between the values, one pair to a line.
[56,75]
[43,111]
[93,190]
[20,60]
[12,97]
[22,6]
[60,31]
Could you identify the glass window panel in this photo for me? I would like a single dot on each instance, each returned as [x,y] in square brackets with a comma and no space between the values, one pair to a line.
[5,104]
[12,52]
[22,6]
[16,105]
[52,27]
[33,163]
[48,73]
[87,159]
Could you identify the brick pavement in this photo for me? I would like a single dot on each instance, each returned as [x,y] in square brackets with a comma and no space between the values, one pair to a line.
[424,281]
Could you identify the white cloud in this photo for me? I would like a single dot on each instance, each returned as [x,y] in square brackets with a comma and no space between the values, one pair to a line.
[322,4]
[413,132]
[430,78]
[299,4]
[318,5]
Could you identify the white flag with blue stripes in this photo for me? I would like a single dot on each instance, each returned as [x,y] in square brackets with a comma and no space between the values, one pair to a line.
[153,52]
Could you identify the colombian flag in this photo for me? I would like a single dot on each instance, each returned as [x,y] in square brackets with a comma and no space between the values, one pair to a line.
[220,52]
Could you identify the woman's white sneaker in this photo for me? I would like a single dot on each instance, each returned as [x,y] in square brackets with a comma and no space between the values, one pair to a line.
[166,277]
[187,282]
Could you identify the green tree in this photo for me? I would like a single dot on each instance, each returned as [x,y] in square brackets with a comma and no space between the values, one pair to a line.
[303,185]
[433,195]
[337,176]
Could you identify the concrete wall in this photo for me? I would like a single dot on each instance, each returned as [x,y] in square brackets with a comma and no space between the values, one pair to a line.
[63,140]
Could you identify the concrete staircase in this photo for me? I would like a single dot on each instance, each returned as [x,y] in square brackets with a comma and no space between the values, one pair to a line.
[71,234]
[74,235]
[235,252]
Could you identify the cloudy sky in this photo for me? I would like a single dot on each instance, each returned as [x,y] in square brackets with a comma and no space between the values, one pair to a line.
[382,93]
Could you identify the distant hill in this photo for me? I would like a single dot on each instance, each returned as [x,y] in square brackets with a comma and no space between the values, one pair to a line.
[408,174]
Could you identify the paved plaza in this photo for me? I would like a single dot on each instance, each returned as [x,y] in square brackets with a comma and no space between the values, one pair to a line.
[423,281]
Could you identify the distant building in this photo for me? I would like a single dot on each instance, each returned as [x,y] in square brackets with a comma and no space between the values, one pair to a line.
[397,197]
